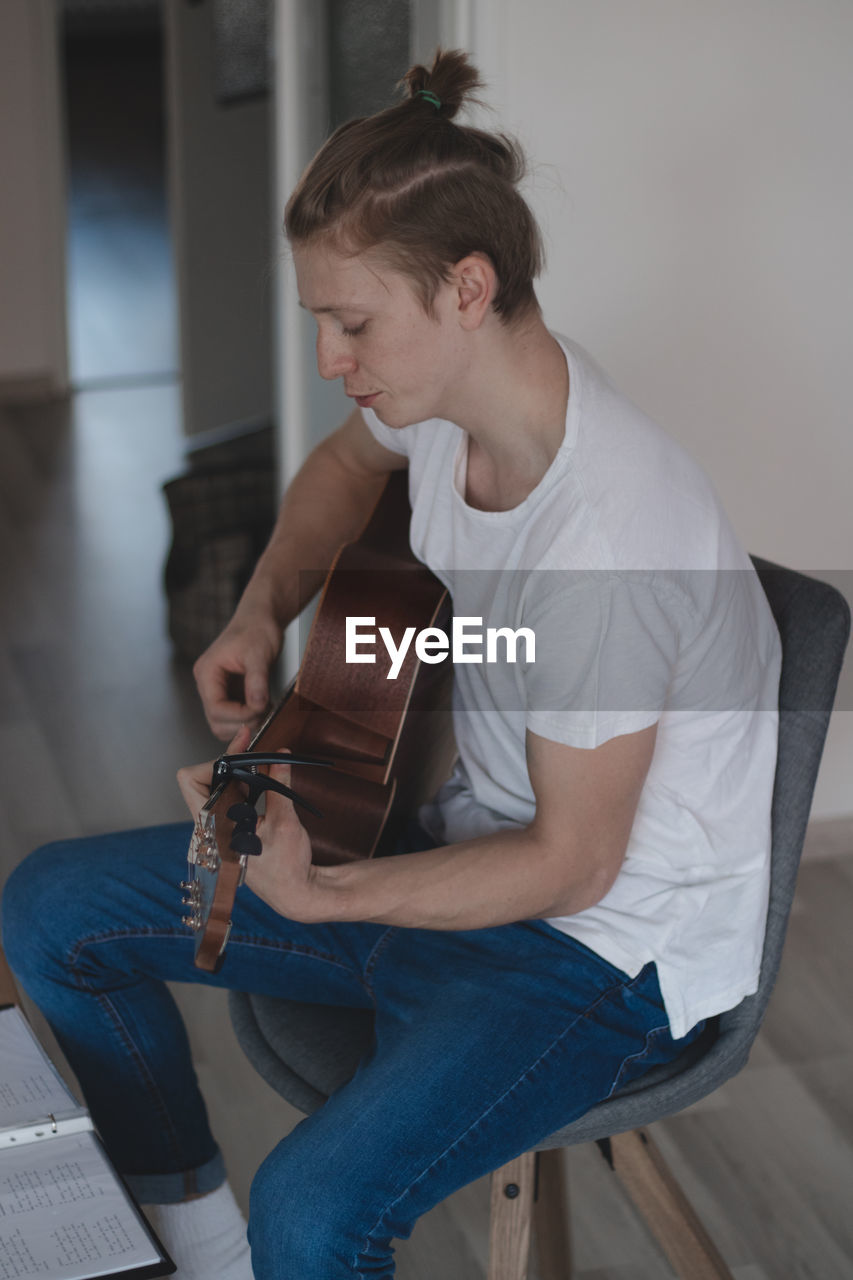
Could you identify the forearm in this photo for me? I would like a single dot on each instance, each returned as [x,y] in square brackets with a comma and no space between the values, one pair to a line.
[326,504]
[492,880]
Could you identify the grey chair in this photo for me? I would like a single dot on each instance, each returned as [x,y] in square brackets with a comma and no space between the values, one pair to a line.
[307,1051]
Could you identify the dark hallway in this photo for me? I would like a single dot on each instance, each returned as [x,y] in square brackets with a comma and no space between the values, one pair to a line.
[122,314]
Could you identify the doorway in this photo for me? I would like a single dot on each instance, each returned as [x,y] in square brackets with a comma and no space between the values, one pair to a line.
[122,323]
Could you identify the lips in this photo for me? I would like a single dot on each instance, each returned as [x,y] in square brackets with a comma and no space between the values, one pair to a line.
[364,402]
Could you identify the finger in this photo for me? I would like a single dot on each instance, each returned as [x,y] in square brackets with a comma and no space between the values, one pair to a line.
[243,682]
[240,740]
[194,784]
[212,680]
[256,687]
[230,718]
[281,772]
[279,808]
[195,780]
[223,695]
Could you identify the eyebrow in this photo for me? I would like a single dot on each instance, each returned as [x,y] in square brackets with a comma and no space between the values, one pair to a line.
[319,311]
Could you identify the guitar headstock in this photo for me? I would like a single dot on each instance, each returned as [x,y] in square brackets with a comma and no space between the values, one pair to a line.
[355,719]
[204,868]
[214,871]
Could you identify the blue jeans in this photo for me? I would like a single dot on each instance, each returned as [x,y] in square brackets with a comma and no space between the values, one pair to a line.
[486,1041]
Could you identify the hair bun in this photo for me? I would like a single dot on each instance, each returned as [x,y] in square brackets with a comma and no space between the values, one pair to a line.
[451,79]
[424,191]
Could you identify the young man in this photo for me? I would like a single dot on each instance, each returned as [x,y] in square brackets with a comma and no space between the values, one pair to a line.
[597,886]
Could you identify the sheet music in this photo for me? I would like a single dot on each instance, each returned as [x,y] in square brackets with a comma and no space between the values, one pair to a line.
[64,1215]
[30,1086]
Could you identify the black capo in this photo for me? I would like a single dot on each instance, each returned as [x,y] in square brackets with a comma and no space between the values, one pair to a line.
[242,767]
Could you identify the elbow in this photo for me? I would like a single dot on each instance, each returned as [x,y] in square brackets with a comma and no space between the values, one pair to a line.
[586,889]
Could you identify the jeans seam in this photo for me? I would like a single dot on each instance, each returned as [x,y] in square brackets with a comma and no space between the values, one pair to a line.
[258,940]
[114,1018]
[371,961]
[251,940]
[637,1057]
[299,950]
[605,995]
[110,935]
[142,1067]
[119,1027]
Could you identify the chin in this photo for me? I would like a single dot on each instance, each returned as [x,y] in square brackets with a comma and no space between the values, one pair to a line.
[399,418]
[391,419]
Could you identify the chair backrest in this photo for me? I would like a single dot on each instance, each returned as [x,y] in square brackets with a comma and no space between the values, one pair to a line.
[304,1051]
[814,626]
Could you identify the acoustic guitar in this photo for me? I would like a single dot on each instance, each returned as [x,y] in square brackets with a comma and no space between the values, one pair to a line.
[386,743]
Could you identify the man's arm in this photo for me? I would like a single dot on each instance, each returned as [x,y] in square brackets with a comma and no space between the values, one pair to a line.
[564,861]
[327,504]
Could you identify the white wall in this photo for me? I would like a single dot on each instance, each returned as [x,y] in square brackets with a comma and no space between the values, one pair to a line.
[694,179]
[33,355]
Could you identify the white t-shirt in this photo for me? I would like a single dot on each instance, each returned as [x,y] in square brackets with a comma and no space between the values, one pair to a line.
[645,609]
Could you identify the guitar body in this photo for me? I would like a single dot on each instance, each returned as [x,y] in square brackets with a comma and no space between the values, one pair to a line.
[389,740]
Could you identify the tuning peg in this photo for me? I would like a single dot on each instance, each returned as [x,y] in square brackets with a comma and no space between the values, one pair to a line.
[242,813]
[246,842]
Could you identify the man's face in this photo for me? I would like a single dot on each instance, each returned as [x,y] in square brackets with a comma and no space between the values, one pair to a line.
[373,332]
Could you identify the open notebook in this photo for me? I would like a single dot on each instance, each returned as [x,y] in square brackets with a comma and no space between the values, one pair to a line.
[65,1214]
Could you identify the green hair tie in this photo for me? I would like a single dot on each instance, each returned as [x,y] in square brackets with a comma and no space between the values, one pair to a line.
[430,97]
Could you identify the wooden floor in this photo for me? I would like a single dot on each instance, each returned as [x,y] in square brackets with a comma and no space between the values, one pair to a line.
[94,719]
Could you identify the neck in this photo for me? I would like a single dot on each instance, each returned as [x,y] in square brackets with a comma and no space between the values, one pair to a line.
[511,401]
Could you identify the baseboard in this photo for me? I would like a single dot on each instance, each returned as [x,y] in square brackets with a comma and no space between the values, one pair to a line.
[829,837]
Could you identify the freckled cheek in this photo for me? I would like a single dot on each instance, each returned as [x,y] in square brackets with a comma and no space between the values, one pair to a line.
[405,362]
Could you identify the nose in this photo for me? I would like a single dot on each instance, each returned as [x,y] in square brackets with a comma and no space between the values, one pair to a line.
[334,358]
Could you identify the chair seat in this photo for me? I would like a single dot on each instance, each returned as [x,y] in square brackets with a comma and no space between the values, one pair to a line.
[306,1051]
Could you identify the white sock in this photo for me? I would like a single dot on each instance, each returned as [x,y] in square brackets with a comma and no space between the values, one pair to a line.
[205,1237]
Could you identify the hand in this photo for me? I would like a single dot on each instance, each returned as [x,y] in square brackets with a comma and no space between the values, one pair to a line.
[283,875]
[194,779]
[246,650]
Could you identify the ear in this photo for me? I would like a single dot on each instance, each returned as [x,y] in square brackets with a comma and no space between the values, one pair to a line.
[475,283]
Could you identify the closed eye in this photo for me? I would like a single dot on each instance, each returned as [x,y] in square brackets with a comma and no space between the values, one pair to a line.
[353,333]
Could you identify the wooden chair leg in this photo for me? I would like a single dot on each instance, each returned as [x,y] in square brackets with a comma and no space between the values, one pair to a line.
[644,1174]
[511,1213]
[550,1216]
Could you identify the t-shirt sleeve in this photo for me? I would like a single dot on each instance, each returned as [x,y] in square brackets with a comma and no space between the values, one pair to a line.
[607,645]
[397,439]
